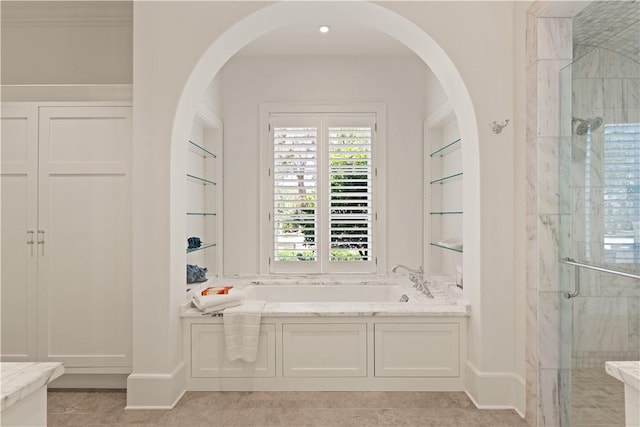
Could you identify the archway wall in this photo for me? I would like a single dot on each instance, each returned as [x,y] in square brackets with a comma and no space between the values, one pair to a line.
[178,49]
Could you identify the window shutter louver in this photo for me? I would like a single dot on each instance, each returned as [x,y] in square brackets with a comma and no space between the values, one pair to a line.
[295,178]
[350,194]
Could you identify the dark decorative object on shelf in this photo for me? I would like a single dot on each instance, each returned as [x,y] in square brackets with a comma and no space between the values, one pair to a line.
[196,274]
[194,242]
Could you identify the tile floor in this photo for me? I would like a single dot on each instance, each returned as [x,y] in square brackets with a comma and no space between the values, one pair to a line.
[330,409]
[597,399]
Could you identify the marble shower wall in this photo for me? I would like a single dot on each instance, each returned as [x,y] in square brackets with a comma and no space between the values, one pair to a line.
[550,204]
[605,83]
[549,50]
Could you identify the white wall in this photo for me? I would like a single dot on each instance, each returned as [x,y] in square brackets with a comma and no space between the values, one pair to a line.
[169,40]
[67,42]
[396,81]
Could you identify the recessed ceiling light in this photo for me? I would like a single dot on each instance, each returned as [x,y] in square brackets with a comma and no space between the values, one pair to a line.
[324,28]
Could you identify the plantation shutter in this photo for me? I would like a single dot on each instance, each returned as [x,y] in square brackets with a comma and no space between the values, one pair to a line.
[350,193]
[622,193]
[295,182]
[323,175]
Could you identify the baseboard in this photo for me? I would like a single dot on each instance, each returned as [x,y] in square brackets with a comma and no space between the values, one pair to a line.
[495,390]
[156,391]
[90,381]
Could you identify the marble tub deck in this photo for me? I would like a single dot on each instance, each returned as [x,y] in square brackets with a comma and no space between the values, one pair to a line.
[446,303]
[284,409]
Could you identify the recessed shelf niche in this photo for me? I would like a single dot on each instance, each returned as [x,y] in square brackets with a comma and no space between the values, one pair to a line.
[443,179]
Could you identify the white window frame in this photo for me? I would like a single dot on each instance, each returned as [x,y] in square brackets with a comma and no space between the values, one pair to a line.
[266,263]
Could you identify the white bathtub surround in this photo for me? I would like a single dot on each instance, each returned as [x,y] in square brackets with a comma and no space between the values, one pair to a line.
[351,337]
[242,330]
[629,374]
[24,392]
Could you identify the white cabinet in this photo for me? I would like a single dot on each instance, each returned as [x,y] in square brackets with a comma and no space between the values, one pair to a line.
[19,190]
[417,350]
[330,353]
[66,204]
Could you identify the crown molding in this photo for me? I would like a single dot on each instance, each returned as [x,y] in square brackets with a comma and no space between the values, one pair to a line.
[86,92]
[67,13]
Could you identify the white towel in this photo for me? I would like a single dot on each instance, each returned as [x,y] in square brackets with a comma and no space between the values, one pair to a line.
[211,303]
[242,330]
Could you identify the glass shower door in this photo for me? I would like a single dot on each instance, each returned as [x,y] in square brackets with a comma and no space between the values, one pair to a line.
[600,193]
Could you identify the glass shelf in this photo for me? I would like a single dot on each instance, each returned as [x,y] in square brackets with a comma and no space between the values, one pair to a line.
[446,247]
[439,150]
[204,150]
[447,213]
[204,246]
[445,178]
[202,213]
[203,180]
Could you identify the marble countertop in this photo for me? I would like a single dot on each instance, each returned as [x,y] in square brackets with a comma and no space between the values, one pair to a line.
[627,372]
[380,309]
[446,303]
[19,380]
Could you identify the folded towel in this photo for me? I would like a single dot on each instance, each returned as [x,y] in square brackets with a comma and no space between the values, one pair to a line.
[217,302]
[242,330]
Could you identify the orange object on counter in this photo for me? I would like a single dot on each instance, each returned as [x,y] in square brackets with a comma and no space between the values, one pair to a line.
[216,290]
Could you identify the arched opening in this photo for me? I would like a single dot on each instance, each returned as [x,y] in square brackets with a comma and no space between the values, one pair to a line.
[363,13]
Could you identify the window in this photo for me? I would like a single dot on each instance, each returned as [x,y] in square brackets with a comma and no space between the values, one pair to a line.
[622,193]
[322,213]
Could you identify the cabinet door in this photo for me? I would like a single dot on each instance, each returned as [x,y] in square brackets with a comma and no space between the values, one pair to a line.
[209,354]
[324,350]
[19,216]
[417,350]
[84,268]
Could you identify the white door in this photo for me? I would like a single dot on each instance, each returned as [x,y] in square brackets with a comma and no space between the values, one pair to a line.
[84,268]
[19,225]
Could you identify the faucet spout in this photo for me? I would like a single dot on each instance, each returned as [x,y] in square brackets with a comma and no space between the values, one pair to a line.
[410,270]
[416,276]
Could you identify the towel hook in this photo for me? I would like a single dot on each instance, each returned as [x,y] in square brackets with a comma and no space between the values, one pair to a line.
[497,127]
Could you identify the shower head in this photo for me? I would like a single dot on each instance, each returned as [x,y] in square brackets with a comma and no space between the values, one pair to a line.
[584,125]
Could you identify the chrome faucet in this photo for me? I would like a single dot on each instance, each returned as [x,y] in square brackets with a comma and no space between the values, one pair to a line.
[417,278]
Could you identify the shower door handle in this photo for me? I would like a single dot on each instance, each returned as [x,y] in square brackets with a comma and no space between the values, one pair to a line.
[576,291]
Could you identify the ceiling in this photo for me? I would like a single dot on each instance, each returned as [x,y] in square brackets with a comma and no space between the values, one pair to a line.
[609,24]
[343,39]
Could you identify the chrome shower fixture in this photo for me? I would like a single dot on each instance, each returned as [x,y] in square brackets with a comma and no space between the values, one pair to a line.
[584,125]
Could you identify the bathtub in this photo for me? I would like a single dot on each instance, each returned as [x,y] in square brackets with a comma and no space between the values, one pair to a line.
[320,293]
[345,335]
